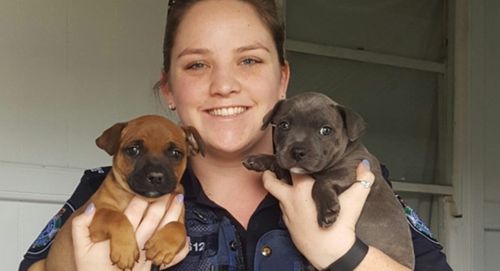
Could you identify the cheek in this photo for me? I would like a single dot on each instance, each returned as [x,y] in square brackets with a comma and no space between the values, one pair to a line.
[186,88]
[188,98]
[266,80]
[123,164]
[180,168]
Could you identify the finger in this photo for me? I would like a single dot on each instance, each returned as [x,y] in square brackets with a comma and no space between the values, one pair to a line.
[278,188]
[135,210]
[180,255]
[353,199]
[363,172]
[300,179]
[151,220]
[80,227]
[174,210]
[302,185]
[284,215]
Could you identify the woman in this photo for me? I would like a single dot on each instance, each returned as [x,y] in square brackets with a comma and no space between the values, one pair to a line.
[224,69]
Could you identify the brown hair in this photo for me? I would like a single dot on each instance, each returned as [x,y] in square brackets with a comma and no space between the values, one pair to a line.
[267,10]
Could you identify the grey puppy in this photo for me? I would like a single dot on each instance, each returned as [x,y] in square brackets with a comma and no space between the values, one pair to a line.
[316,136]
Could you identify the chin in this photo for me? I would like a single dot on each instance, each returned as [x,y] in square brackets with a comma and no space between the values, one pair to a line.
[239,142]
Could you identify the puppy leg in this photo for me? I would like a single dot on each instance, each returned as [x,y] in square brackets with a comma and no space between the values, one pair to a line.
[37,266]
[260,162]
[263,162]
[327,202]
[166,243]
[114,225]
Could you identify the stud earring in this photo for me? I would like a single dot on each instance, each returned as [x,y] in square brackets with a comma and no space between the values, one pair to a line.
[171,107]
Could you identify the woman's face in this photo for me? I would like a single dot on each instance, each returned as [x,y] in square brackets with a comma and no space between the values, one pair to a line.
[225,76]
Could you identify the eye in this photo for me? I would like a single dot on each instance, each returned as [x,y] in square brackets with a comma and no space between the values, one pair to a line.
[284,125]
[134,150]
[325,130]
[249,61]
[196,66]
[175,154]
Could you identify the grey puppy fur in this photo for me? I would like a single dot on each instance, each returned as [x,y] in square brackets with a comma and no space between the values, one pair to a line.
[316,136]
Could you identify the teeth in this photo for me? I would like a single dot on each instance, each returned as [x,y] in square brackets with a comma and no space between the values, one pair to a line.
[227,111]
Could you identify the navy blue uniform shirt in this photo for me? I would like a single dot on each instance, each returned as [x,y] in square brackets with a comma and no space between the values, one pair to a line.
[219,242]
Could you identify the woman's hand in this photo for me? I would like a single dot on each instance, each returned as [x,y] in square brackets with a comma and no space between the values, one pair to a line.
[321,246]
[95,256]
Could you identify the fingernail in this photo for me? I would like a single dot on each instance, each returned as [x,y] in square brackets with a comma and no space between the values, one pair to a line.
[366,163]
[90,208]
[180,198]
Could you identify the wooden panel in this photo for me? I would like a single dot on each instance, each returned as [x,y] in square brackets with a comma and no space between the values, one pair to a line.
[492,250]
[492,216]
[9,233]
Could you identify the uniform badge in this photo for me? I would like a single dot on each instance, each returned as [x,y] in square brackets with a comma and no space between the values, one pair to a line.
[416,222]
[45,238]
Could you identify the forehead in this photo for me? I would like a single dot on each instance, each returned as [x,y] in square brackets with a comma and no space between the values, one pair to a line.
[153,133]
[310,110]
[216,23]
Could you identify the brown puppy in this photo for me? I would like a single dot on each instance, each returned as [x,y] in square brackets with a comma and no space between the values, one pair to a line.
[149,158]
[316,136]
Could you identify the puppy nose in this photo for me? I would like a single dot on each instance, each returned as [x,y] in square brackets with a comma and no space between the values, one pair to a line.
[155,177]
[298,153]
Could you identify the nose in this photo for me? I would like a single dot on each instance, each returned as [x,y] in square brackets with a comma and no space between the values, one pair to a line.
[224,81]
[155,178]
[298,153]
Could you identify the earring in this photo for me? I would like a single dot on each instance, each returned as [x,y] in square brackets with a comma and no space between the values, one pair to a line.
[171,107]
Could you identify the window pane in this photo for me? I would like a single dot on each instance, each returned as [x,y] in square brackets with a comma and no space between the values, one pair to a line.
[411,28]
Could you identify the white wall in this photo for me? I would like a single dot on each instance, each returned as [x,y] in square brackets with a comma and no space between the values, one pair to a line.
[68,70]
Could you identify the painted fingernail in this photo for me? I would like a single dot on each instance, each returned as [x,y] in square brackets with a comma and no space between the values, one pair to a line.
[179,198]
[366,163]
[90,208]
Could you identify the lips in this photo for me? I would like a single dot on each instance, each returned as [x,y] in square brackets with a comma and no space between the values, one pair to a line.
[227,111]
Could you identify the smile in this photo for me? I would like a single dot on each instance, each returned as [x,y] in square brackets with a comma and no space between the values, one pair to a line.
[227,111]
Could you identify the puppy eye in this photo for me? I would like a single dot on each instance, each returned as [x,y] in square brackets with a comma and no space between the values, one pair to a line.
[133,151]
[325,130]
[175,154]
[284,125]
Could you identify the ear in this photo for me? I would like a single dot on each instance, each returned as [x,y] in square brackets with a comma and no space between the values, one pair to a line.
[195,143]
[268,118]
[353,122]
[110,139]
[165,91]
[285,79]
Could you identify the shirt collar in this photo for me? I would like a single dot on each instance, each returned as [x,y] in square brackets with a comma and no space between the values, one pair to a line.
[193,191]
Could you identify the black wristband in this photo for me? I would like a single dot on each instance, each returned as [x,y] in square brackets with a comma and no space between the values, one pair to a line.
[351,259]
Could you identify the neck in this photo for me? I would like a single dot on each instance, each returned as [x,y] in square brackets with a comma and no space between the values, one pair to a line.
[230,185]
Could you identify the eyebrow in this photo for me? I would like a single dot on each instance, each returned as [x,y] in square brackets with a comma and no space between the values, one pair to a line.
[201,51]
[250,47]
[193,51]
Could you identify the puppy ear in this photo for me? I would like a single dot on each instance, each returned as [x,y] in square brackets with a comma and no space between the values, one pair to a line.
[353,122]
[195,143]
[110,139]
[269,116]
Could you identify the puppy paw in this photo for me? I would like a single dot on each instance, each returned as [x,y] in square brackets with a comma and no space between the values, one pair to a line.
[328,215]
[258,163]
[253,163]
[124,253]
[162,247]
